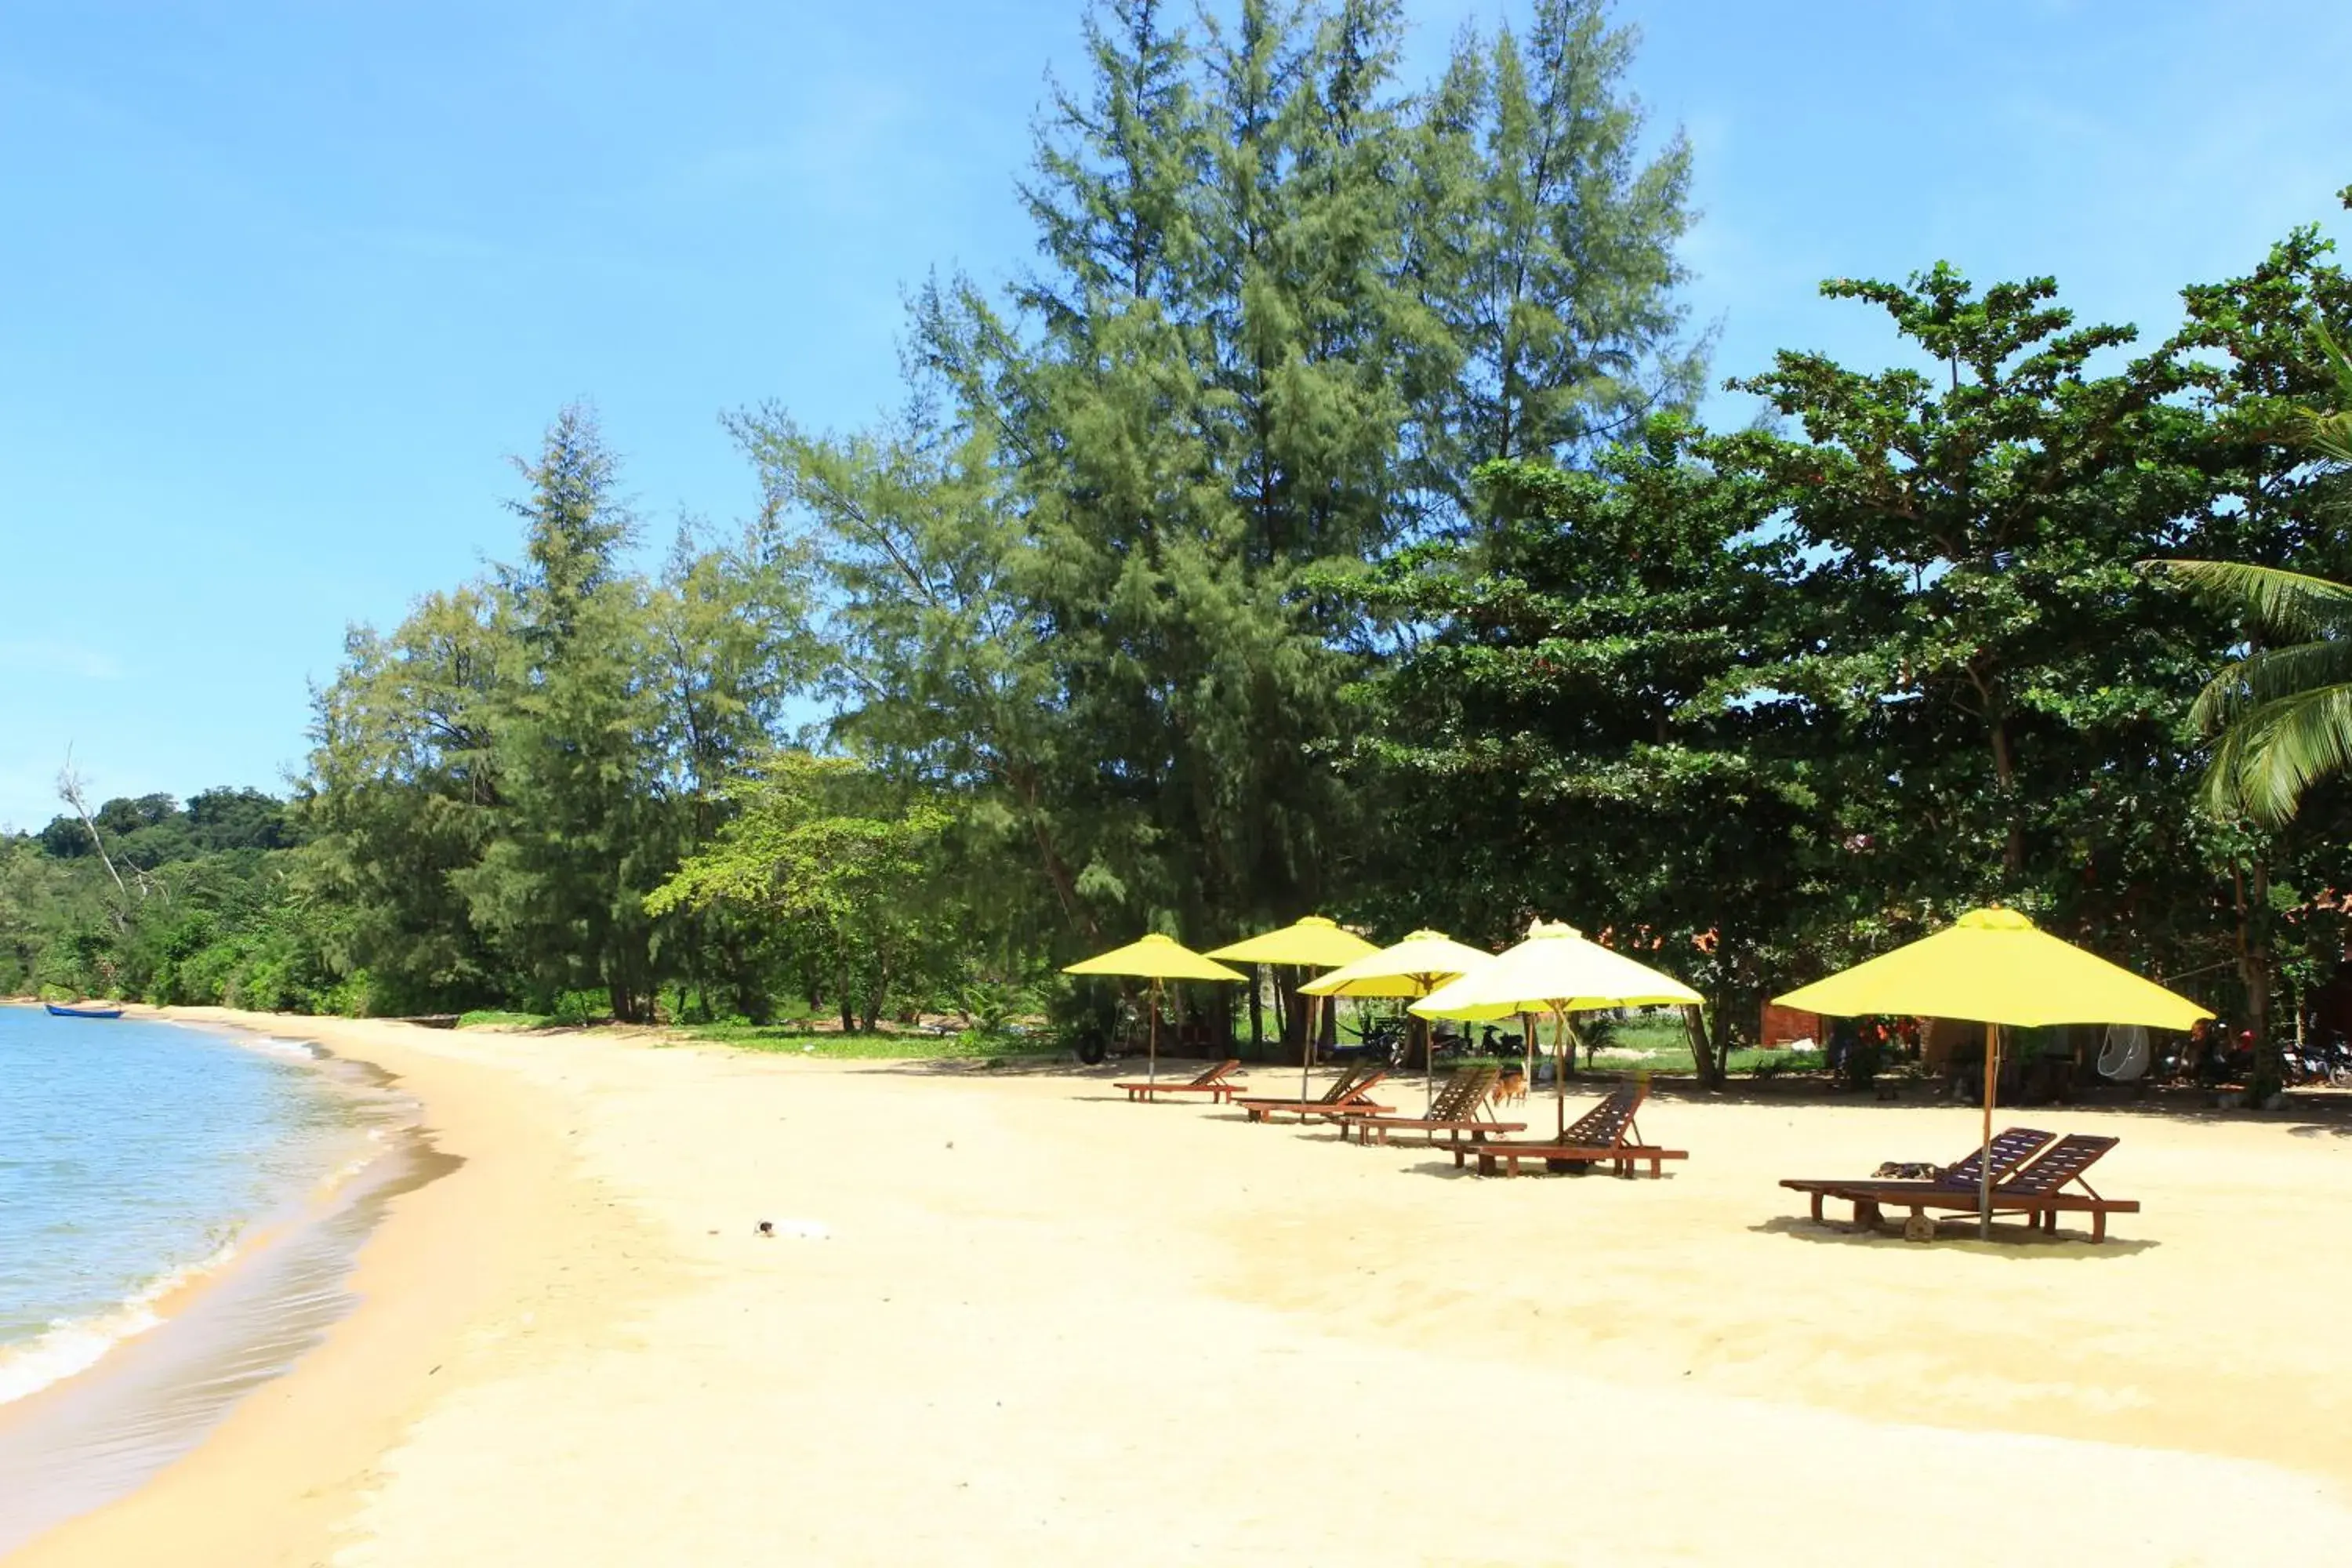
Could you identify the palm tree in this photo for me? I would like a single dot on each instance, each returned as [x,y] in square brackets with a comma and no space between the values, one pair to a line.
[2282,716]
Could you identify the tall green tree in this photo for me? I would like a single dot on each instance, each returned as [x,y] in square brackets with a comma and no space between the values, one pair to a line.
[1591,730]
[2004,684]
[2281,396]
[401,795]
[1541,253]
[1224,385]
[836,862]
[581,832]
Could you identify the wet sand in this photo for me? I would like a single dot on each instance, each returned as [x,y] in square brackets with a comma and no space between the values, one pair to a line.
[1043,1325]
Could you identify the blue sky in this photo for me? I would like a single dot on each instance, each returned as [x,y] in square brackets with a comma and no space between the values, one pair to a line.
[281,284]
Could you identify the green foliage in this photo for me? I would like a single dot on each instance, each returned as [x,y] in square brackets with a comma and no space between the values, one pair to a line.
[799,1040]
[840,867]
[1591,725]
[498,782]
[1319,521]
[216,914]
[2283,714]
[1282,311]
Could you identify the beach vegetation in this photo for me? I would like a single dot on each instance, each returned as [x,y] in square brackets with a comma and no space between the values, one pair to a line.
[1320,518]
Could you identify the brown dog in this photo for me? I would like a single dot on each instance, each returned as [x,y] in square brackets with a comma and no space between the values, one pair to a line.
[1511,1086]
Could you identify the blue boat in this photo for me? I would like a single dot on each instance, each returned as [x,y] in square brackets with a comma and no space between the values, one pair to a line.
[58,1012]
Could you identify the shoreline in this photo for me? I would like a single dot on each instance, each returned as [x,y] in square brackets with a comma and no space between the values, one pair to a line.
[1011,1317]
[271,1480]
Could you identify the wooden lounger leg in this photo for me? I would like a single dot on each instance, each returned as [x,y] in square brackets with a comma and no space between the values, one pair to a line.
[2098,1222]
[1817,1209]
[1865,1213]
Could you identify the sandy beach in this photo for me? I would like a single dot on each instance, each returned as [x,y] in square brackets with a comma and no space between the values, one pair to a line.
[1034,1323]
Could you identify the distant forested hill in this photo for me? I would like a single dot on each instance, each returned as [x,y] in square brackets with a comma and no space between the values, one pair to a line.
[170,901]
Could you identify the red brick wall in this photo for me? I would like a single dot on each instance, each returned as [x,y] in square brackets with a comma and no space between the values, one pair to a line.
[1783,1024]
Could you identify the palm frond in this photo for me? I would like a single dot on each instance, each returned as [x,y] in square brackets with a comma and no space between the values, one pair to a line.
[2271,756]
[2273,675]
[2330,433]
[2283,603]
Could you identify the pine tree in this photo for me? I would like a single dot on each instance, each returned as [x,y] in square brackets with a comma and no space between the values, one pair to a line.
[583,832]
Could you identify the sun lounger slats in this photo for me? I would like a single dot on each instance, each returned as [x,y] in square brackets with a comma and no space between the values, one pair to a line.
[2031,1183]
[1604,1135]
[1217,1082]
[2060,1164]
[1347,1092]
[2012,1147]
[1459,1111]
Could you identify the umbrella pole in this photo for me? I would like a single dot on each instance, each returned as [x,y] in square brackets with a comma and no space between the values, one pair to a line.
[1560,1069]
[1527,1050]
[1984,1159]
[1307,1052]
[1428,1055]
[1153,1069]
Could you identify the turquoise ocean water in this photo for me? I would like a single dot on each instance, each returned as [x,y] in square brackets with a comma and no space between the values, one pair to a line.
[138,1157]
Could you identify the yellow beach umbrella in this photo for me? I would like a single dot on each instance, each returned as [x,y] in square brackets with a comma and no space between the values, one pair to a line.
[1556,970]
[1158,959]
[1311,943]
[1314,942]
[1994,967]
[1413,967]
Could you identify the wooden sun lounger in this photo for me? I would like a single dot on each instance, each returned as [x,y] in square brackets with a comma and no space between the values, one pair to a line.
[1459,1111]
[1606,1134]
[2038,1192]
[2012,1147]
[1217,1083]
[1346,1094]
[2029,1179]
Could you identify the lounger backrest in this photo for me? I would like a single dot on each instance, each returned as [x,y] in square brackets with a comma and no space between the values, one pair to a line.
[2012,1147]
[1215,1073]
[1603,1126]
[1466,1090]
[2061,1162]
[1347,1084]
[1364,1082]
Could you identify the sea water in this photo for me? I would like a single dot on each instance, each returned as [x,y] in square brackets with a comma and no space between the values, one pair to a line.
[146,1167]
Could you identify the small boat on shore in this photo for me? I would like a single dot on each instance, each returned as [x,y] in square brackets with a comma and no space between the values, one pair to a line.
[58,1012]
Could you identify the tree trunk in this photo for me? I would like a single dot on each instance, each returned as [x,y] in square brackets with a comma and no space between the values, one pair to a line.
[2004,767]
[1257,1012]
[1705,1054]
[2254,972]
[1294,1014]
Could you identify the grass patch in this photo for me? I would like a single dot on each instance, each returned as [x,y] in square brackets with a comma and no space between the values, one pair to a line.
[1666,1049]
[796,1038]
[500,1019]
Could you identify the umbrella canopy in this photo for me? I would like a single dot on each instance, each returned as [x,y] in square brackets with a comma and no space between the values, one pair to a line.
[1156,958]
[1313,942]
[1995,967]
[1556,970]
[1413,967]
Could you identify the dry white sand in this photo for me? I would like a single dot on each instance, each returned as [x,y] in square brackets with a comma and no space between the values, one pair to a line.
[1046,1326]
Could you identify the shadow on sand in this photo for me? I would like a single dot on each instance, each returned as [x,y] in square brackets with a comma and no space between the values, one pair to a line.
[2010,1239]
